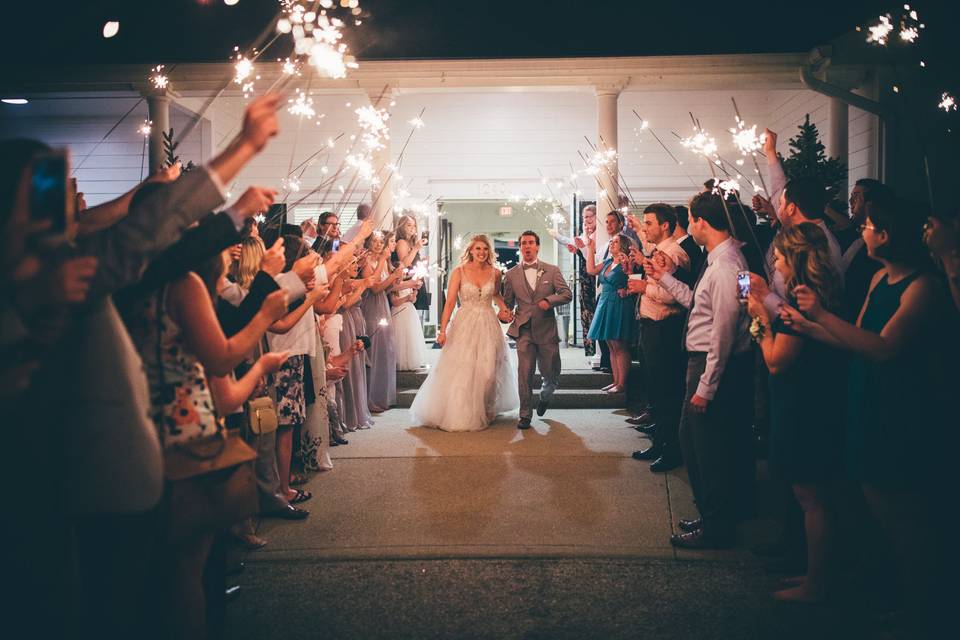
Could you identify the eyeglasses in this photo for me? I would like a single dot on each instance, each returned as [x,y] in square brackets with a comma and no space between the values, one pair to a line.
[329,224]
[865,226]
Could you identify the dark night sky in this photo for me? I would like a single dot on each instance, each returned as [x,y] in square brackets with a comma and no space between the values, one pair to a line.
[206,30]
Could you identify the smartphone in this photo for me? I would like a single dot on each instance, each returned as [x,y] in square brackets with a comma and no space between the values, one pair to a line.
[335,245]
[426,237]
[48,191]
[743,284]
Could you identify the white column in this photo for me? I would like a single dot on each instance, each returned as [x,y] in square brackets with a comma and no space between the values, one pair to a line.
[158,107]
[607,189]
[381,195]
[839,141]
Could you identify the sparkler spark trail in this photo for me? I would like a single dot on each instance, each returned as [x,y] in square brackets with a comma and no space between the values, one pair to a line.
[145,128]
[881,31]
[158,79]
[947,102]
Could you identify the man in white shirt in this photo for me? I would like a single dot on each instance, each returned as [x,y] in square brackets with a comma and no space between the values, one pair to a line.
[363,212]
[661,321]
[715,434]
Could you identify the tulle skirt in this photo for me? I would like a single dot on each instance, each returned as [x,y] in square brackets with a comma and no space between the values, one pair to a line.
[475,378]
[408,338]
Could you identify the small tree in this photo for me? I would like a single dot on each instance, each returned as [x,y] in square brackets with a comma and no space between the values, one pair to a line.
[808,159]
[170,151]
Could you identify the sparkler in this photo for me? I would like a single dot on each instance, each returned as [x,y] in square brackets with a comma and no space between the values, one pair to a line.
[749,143]
[158,79]
[908,27]
[881,31]
[302,106]
[145,128]
[947,102]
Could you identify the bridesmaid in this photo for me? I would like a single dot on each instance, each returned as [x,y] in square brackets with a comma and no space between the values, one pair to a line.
[615,318]
[352,400]
[382,374]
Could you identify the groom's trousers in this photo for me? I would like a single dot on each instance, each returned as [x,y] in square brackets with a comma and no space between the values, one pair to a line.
[530,356]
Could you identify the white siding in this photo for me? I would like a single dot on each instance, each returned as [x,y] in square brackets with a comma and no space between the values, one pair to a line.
[104,168]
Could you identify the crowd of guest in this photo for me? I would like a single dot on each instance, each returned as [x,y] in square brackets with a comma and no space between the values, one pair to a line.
[837,331]
[179,370]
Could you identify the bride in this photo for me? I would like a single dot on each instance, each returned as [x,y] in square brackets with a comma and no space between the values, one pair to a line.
[475,378]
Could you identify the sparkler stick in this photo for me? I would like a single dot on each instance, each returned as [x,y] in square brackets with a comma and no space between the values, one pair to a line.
[664,147]
[261,37]
[396,166]
[753,156]
[620,177]
[107,135]
[586,163]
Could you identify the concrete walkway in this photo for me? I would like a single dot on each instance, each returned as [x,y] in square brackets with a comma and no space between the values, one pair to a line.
[553,532]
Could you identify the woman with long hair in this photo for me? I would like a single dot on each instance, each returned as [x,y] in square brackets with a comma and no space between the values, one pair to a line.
[904,350]
[407,326]
[475,378]
[382,373]
[614,320]
[806,394]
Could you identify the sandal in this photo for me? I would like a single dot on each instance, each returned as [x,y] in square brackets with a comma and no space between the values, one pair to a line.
[297,479]
[251,542]
[302,496]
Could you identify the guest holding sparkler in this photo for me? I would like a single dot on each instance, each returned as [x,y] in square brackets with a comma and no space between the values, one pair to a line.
[614,320]
[408,330]
[382,373]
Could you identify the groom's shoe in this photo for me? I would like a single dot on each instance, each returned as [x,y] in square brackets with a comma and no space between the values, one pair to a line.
[542,407]
[524,423]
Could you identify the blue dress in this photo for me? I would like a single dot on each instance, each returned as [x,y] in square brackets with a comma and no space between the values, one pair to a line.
[615,317]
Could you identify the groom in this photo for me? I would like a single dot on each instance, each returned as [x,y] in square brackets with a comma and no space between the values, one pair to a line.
[531,290]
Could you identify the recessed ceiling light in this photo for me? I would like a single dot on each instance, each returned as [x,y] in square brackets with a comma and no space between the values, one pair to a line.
[14,100]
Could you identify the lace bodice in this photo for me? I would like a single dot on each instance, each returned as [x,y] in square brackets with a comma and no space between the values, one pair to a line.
[473,296]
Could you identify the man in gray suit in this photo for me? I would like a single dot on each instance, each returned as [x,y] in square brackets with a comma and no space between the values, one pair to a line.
[531,290]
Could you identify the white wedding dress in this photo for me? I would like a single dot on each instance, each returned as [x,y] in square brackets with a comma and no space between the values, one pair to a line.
[476,376]
[408,337]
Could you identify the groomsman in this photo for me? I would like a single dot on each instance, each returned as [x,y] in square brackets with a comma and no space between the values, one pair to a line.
[661,322]
[690,247]
[715,435]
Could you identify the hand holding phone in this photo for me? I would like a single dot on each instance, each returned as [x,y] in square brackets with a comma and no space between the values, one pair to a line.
[743,284]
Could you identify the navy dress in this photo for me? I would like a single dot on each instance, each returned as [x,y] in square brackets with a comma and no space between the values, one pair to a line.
[807,413]
[615,317]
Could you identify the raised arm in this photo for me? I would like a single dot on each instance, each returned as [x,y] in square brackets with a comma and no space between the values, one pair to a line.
[591,257]
[190,307]
[909,321]
[408,253]
[452,292]
[230,394]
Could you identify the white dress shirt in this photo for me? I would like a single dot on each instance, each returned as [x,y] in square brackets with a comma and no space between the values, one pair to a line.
[530,274]
[718,322]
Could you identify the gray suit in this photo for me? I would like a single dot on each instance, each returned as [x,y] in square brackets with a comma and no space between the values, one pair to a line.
[534,329]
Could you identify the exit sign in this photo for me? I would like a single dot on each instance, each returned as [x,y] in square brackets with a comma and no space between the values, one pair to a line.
[506,212]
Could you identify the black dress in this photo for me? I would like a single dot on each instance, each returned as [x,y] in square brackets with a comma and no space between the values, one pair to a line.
[807,408]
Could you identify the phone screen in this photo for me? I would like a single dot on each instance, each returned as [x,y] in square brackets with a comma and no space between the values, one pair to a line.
[335,245]
[426,238]
[743,284]
[48,190]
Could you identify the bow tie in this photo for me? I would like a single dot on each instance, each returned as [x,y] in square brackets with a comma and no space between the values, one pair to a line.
[530,266]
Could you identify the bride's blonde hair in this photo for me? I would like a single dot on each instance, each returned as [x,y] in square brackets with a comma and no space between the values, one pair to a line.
[466,256]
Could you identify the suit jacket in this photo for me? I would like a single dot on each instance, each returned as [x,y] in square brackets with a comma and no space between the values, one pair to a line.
[98,397]
[518,295]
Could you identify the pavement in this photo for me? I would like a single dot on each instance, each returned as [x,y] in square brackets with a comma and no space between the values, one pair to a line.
[554,532]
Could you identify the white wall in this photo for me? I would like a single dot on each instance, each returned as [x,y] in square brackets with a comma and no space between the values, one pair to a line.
[108,169]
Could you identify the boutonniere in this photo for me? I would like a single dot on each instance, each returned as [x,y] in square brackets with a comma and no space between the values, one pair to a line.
[540,273]
[757,329]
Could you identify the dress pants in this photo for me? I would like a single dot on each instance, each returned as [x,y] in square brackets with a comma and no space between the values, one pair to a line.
[663,366]
[530,356]
[717,445]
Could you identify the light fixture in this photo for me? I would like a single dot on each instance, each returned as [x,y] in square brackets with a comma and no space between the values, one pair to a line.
[14,100]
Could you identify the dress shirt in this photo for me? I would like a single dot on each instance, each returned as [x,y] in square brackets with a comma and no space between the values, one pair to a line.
[530,274]
[657,303]
[778,288]
[352,232]
[718,322]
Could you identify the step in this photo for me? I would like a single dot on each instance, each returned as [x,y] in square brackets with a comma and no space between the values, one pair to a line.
[581,379]
[562,399]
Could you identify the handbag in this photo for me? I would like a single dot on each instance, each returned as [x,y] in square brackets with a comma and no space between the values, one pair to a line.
[210,482]
[261,412]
